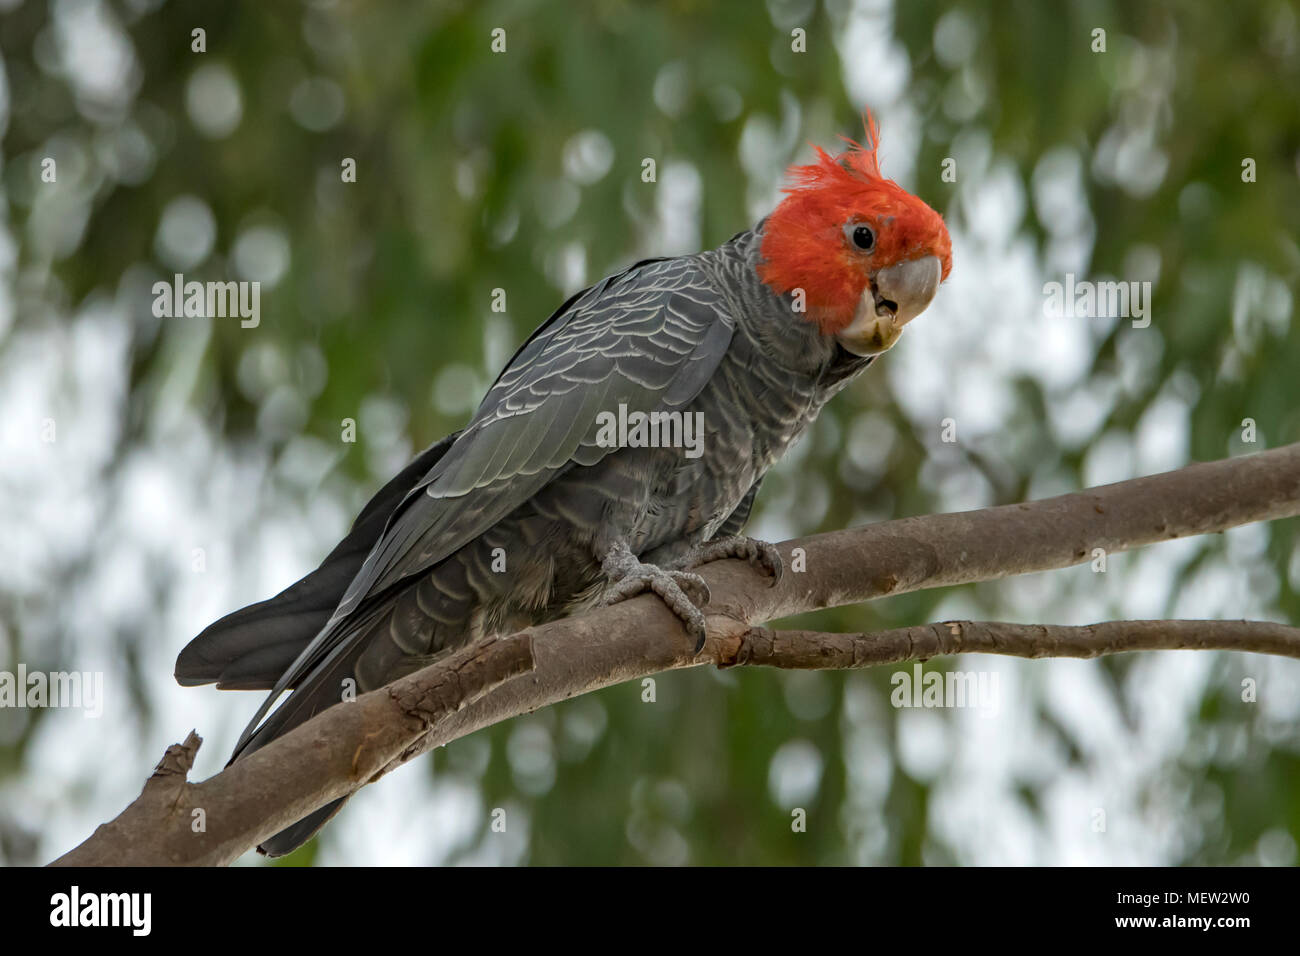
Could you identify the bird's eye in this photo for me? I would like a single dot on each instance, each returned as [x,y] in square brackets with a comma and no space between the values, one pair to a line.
[861,236]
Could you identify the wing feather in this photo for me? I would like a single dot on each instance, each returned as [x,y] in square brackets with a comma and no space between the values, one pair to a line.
[649,338]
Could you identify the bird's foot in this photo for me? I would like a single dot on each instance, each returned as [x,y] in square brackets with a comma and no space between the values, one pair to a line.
[759,554]
[684,592]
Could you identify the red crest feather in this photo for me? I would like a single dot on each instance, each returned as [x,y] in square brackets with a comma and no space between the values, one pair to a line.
[804,243]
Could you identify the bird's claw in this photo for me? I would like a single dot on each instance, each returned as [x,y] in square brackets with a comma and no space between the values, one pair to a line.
[649,577]
[761,555]
[683,591]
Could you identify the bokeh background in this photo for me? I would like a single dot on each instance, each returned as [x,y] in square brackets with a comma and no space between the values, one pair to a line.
[198,466]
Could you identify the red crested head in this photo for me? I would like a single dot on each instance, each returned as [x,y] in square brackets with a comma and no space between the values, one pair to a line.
[867,255]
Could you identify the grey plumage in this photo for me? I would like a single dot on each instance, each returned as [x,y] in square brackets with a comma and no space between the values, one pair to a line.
[528,476]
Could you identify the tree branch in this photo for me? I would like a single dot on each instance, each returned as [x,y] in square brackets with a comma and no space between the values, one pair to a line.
[174,822]
[814,650]
[348,746]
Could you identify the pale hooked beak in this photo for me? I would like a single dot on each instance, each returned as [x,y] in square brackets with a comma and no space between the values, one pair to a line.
[899,294]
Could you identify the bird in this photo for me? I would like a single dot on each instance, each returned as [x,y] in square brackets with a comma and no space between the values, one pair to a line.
[538,509]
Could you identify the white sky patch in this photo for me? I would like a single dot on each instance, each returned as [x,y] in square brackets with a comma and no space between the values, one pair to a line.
[677,204]
[96,54]
[794,773]
[213,100]
[876,66]
[414,821]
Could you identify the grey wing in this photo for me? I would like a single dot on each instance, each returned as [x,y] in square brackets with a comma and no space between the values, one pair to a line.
[649,338]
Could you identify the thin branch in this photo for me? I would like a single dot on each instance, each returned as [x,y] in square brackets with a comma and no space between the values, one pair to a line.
[814,650]
[347,746]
